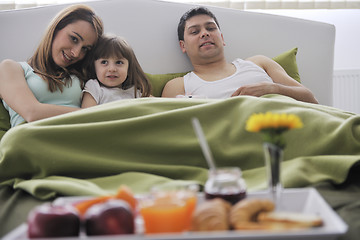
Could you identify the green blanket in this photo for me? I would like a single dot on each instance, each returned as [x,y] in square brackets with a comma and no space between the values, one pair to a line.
[143,142]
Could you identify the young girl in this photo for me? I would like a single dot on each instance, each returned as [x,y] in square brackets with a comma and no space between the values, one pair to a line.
[50,82]
[116,74]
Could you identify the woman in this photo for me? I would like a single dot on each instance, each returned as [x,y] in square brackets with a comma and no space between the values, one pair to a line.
[50,82]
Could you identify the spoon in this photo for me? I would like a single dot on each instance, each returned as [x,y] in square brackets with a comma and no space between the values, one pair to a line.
[203,143]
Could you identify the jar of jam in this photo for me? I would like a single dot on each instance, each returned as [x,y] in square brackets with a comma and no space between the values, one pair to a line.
[226,183]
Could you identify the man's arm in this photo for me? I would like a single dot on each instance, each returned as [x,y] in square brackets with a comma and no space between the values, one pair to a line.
[283,83]
[174,87]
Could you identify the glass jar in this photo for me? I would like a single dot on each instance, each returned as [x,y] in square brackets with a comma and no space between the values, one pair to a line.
[226,183]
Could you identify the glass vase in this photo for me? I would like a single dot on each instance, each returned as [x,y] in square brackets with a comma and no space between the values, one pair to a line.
[273,159]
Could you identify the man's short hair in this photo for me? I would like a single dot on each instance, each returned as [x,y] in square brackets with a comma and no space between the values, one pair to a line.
[191,13]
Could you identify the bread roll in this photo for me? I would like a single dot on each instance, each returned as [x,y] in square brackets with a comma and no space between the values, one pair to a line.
[291,218]
[248,214]
[245,212]
[211,215]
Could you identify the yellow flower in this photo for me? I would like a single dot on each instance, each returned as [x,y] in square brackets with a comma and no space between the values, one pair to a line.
[260,121]
[272,125]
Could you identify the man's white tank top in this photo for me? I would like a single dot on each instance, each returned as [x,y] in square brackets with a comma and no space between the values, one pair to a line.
[246,73]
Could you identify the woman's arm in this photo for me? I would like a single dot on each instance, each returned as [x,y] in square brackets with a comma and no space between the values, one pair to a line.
[283,83]
[17,94]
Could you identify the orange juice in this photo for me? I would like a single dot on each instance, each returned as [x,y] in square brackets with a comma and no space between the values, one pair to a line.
[164,216]
[168,210]
[190,201]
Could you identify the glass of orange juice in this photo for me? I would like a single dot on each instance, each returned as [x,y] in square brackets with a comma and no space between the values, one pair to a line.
[169,210]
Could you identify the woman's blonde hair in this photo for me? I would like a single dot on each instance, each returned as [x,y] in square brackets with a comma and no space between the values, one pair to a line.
[42,61]
[115,46]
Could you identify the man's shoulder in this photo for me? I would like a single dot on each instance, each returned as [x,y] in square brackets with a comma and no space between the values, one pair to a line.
[176,80]
[257,58]
[174,87]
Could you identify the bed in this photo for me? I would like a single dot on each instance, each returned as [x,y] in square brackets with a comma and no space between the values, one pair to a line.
[143,142]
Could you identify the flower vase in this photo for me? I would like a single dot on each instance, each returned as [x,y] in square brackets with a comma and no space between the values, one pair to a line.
[273,159]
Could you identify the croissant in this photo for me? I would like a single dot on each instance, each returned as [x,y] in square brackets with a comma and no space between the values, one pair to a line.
[244,213]
[212,215]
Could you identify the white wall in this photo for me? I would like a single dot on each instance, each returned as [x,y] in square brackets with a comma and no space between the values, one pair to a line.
[346,81]
[347,23]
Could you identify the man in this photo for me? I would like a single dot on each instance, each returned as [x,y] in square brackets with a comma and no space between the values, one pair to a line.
[213,77]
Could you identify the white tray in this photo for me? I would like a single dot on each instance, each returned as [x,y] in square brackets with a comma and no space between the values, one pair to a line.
[305,200]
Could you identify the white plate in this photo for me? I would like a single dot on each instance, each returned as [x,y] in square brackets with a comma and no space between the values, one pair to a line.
[303,200]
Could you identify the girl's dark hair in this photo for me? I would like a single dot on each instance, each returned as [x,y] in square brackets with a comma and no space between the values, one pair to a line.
[115,46]
[191,13]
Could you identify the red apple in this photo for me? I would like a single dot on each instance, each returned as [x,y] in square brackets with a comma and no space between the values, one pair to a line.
[47,220]
[111,217]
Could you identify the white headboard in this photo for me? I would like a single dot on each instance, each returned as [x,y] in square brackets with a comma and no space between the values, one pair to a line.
[150,26]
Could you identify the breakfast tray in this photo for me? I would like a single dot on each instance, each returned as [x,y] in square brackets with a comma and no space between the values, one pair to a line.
[303,200]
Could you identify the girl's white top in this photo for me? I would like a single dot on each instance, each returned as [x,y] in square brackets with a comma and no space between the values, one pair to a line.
[103,94]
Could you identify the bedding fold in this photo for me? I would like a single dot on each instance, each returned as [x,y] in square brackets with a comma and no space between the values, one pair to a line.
[148,141]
